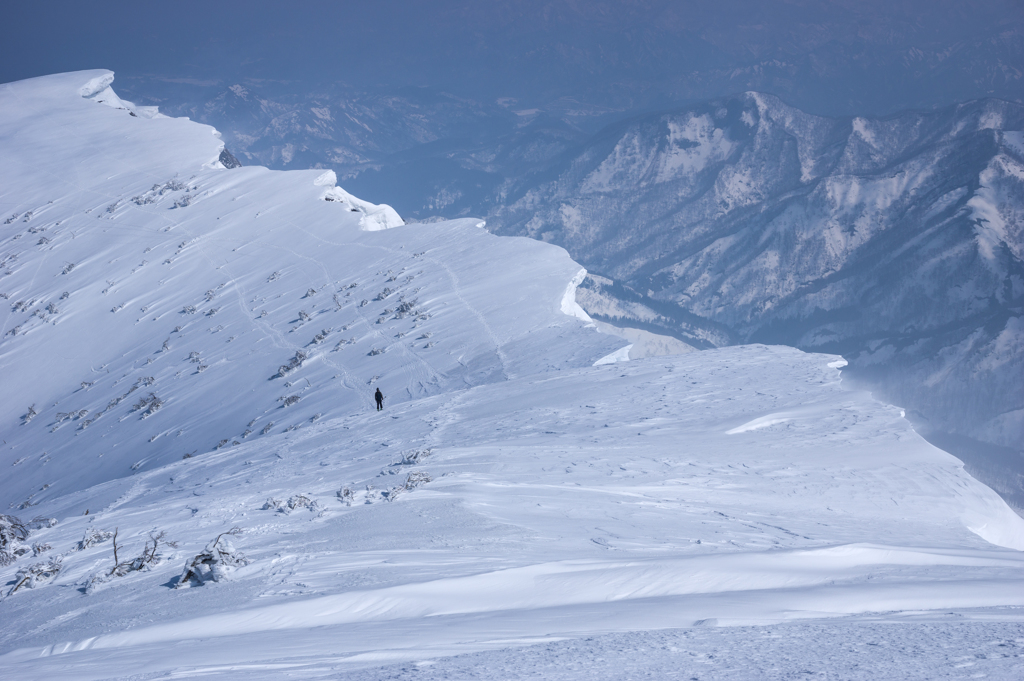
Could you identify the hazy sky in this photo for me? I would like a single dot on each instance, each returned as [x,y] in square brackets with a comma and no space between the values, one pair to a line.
[873,54]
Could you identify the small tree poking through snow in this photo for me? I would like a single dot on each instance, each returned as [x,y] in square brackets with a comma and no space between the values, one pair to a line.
[216,561]
[35,575]
[149,558]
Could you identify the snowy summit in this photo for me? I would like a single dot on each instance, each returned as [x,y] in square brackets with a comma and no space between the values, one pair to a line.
[197,480]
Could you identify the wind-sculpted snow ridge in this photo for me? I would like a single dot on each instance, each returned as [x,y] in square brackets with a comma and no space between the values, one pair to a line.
[156,305]
[895,242]
[742,486]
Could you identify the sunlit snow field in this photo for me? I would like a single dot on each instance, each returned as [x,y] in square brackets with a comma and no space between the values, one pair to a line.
[523,506]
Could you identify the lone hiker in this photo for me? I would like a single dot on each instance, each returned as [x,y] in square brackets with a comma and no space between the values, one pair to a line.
[379,396]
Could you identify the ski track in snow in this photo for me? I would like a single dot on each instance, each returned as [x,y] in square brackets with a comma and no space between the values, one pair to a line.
[724,514]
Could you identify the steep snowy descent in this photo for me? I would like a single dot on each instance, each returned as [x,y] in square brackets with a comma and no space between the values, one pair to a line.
[147,289]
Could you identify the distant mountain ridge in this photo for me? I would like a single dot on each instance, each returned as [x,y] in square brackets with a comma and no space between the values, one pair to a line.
[896,242]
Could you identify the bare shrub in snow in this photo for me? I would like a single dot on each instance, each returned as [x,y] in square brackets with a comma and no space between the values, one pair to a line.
[310,293]
[304,316]
[408,459]
[413,457]
[149,557]
[189,309]
[302,501]
[35,575]
[384,294]
[266,428]
[149,405]
[405,308]
[342,343]
[288,401]
[294,503]
[169,186]
[92,538]
[414,480]
[68,268]
[417,478]
[61,417]
[320,337]
[293,364]
[345,496]
[40,548]
[29,415]
[215,562]
[376,351]
[12,533]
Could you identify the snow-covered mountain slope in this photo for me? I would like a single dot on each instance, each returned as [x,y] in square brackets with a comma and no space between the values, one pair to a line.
[742,485]
[895,242]
[157,303]
[517,488]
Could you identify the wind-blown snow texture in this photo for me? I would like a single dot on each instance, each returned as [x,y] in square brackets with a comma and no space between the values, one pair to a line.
[895,242]
[135,267]
[511,493]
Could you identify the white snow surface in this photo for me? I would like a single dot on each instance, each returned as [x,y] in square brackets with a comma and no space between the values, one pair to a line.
[513,511]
